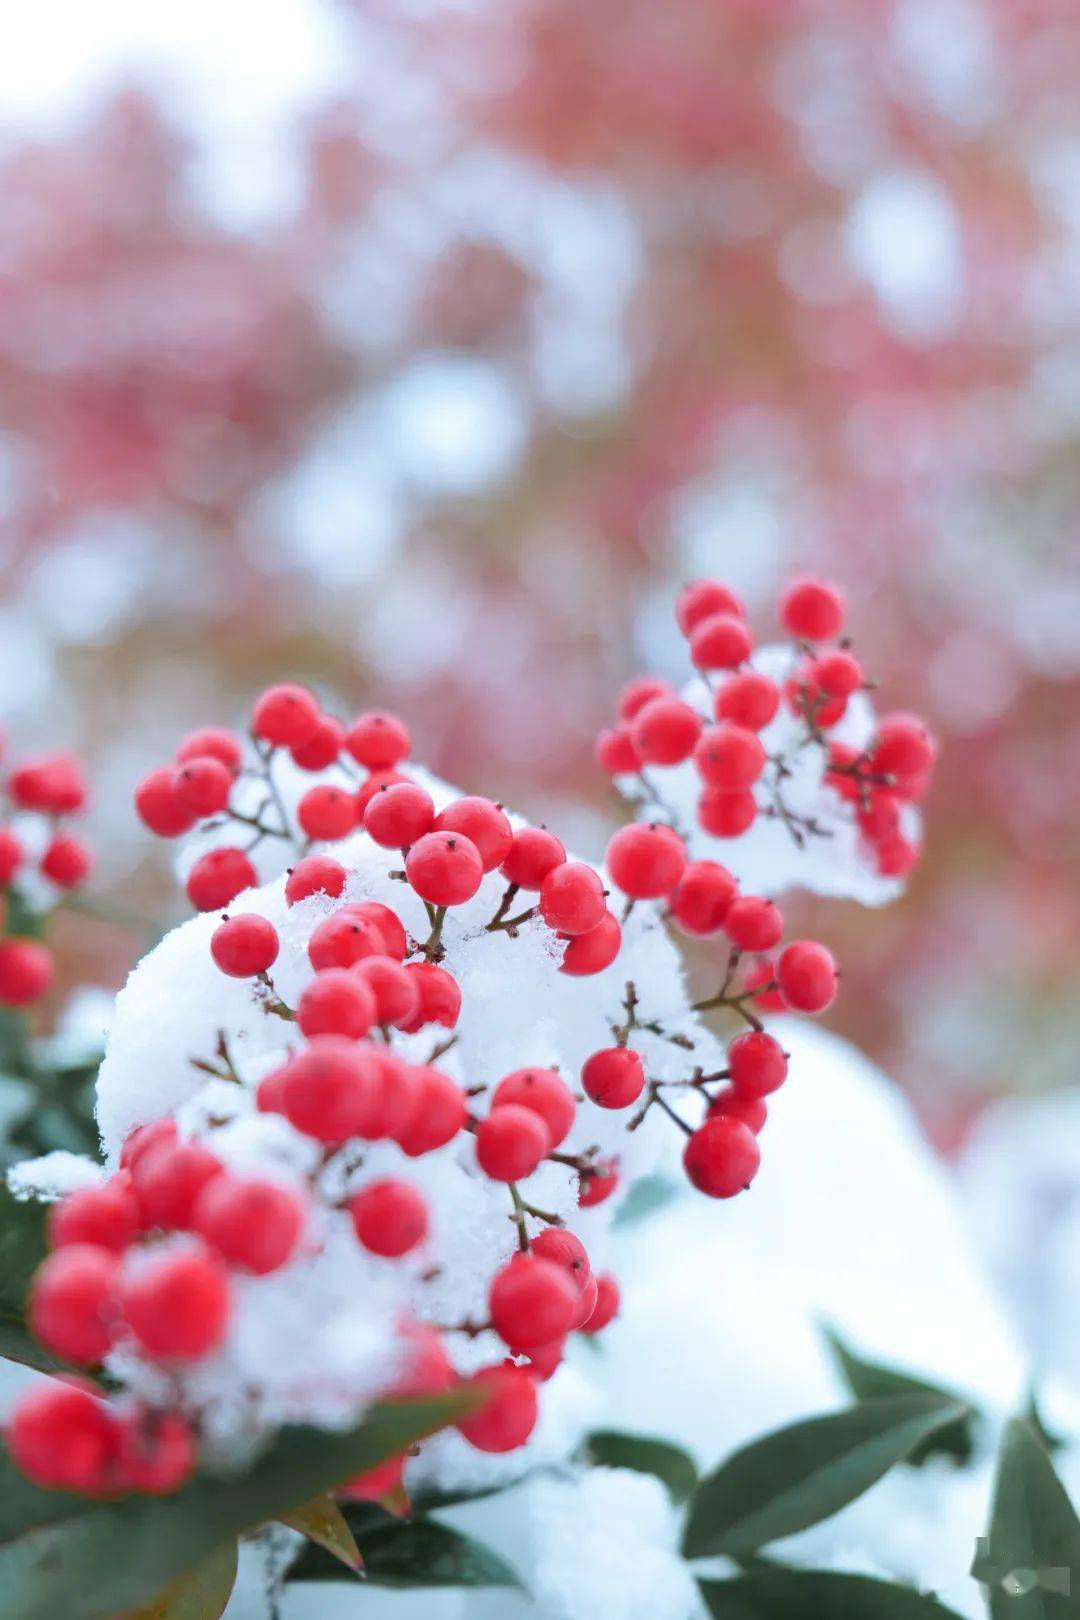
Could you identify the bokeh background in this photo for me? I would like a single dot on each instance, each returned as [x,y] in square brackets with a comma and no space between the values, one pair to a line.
[420,348]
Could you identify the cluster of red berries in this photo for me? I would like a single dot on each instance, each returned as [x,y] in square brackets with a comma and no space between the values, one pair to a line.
[740,780]
[53,788]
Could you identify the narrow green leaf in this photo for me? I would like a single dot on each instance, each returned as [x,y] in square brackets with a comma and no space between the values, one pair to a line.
[800,1475]
[61,1555]
[1030,1561]
[202,1594]
[869,1380]
[22,1248]
[322,1521]
[413,1553]
[1034,1420]
[673,1466]
[782,1594]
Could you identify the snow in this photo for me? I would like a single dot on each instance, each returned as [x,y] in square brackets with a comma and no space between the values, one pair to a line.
[53,1175]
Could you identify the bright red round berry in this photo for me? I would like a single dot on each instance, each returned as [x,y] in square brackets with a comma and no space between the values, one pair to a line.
[388,924]
[444,868]
[615,752]
[703,599]
[597,1182]
[533,854]
[726,815]
[245,945]
[396,997]
[212,742]
[896,856]
[638,692]
[156,1451]
[26,971]
[61,1434]
[143,1138]
[572,899]
[749,1111]
[379,741]
[440,1112]
[722,1157]
[665,730]
[202,786]
[592,952]
[66,861]
[721,642]
[72,1307]
[168,1179]
[336,1002]
[837,673]
[107,1216]
[159,808]
[607,1304]
[511,1142]
[315,874]
[397,815]
[757,1064]
[904,746]
[218,877]
[390,1217]
[325,1089]
[646,861]
[326,813]
[286,716]
[810,610]
[484,824]
[53,784]
[11,856]
[177,1303]
[614,1077]
[508,1415]
[729,757]
[346,936]
[546,1093]
[438,997]
[253,1224]
[531,1301]
[748,699]
[375,784]
[700,900]
[754,923]
[322,748]
[807,975]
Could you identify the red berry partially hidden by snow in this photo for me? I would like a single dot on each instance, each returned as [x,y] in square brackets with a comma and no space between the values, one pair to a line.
[336,1002]
[156,1451]
[72,1307]
[807,976]
[810,610]
[722,1158]
[546,1093]
[66,861]
[614,1077]
[757,1063]
[607,1304]
[177,1303]
[646,861]
[444,868]
[439,997]
[721,641]
[531,1301]
[202,786]
[598,1182]
[572,898]
[61,1434]
[533,854]
[726,815]
[218,877]
[590,953]
[253,1224]
[729,757]
[399,814]
[107,1215]
[700,900]
[753,923]
[245,945]
[511,1142]
[379,741]
[483,823]
[702,599]
[665,730]
[315,874]
[508,1415]
[26,971]
[390,1217]
[159,808]
[748,699]
[326,813]
[286,716]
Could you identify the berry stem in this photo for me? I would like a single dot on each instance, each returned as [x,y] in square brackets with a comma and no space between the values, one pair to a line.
[504,904]
[510,923]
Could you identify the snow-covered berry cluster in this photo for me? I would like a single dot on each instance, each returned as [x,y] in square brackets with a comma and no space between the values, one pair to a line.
[40,858]
[367,1127]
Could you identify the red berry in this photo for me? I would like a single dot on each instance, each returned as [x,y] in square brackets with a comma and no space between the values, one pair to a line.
[531,1301]
[646,862]
[143,1138]
[393,987]
[428,1371]
[345,937]
[26,971]
[387,922]
[439,997]
[895,856]
[545,1359]
[700,900]
[439,1114]
[703,599]
[665,730]
[66,861]
[721,642]
[386,1479]
[72,1306]
[572,898]
[880,819]
[748,699]
[614,1077]
[156,1451]
[615,752]
[202,786]
[607,1304]
[722,1158]
[218,877]
[158,807]
[326,1089]
[326,813]
[597,1182]
[315,874]
[807,976]
[726,815]
[395,1092]
[286,716]
[270,1092]
[322,748]
[563,1249]
[483,824]
[53,784]
[533,854]
[546,1093]
[810,610]
[375,784]
[390,1217]
[253,1224]
[729,757]
[750,1111]
[640,691]
[11,856]
[61,1434]
[245,945]
[107,1216]
[336,1002]
[212,742]
[444,868]
[904,746]
[594,951]
[762,979]
[838,777]
[379,741]
[753,923]
[397,815]
[837,674]
[169,1178]
[511,1142]
[177,1303]
[806,699]
[508,1415]
[757,1064]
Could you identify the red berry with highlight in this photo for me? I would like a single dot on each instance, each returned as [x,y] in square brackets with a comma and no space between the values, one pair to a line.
[721,642]
[615,752]
[838,674]
[390,1217]
[438,997]
[326,813]
[904,746]
[218,877]
[177,1303]
[315,874]
[646,861]
[572,899]
[66,861]
[754,923]
[749,1111]
[757,1063]
[729,757]
[607,1304]
[533,854]
[168,1180]
[244,946]
[159,808]
[748,699]
[664,731]
[508,1415]
[726,815]
[598,1182]
[322,748]
[592,952]
[26,971]
[253,1224]
[397,815]
[703,599]
[387,922]
[511,1142]
[395,992]
[810,610]
[701,898]
[202,786]
[722,1158]
[62,1435]
[444,868]
[440,1112]
[546,1093]
[336,1002]
[807,975]
[106,1215]
[212,742]
[379,741]
[531,1301]
[326,1089]
[637,693]
[346,936]
[72,1305]
[484,824]
[286,716]
[614,1077]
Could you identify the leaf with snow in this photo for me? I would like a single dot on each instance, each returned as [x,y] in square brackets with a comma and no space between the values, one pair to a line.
[673,1466]
[869,1380]
[1030,1559]
[782,1594]
[417,1552]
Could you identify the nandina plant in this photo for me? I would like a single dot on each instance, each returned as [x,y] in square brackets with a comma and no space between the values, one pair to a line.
[367,1118]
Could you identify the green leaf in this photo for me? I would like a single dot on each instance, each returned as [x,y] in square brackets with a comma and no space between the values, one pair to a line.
[1033,1419]
[670,1464]
[1031,1558]
[412,1553]
[869,1380]
[800,1475]
[782,1594]
[64,1556]
[22,1248]
[201,1594]
[322,1521]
